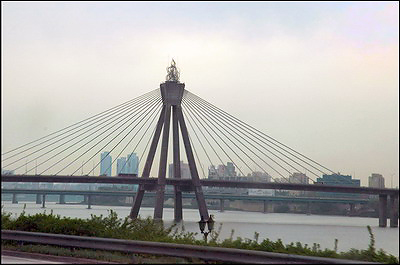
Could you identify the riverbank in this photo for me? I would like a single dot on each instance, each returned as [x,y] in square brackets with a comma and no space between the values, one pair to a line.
[146,229]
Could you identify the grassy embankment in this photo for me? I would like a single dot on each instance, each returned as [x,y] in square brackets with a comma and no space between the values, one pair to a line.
[147,230]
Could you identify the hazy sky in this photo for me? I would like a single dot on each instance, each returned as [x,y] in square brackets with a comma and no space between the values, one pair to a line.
[319,77]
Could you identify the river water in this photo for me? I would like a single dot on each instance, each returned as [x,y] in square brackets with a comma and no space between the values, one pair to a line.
[351,232]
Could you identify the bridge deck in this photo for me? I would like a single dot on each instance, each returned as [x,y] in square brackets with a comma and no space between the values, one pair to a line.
[204,182]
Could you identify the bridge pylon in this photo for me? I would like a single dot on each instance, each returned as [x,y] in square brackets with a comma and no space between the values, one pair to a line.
[171,92]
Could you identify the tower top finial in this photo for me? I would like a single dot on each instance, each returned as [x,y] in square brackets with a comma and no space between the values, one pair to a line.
[172,72]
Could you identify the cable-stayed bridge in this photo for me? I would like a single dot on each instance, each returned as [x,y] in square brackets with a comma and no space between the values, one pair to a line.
[201,132]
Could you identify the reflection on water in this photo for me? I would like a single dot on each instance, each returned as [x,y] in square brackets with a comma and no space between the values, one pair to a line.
[307,229]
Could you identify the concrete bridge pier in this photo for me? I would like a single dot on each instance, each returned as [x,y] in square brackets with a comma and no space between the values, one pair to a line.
[308,208]
[268,207]
[14,198]
[394,210]
[352,209]
[44,201]
[62,199]
[89,200]
[382,210]
[221,205]
[178,210]
[38,199]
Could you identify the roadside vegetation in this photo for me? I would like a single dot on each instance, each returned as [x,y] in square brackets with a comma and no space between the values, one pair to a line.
[147,229]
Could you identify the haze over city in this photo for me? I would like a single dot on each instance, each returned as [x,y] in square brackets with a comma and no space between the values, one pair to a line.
[319,77]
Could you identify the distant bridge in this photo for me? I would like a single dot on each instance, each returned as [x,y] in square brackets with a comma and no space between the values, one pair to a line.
[41,197]
[186,185]
[187,195]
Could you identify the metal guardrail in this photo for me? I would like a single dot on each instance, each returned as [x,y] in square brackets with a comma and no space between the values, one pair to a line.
[229,255]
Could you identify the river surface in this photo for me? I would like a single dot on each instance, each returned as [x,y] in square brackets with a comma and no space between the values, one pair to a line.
[351,232]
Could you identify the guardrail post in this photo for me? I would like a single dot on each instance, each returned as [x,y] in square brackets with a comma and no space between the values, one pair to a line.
[14,198]
[44,201]
[308,208]
[62,199]
[382,210]
[38,199]
[394,210]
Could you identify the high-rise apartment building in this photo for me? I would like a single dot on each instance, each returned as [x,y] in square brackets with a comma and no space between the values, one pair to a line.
[185,171]
[376,181]
[121,166]
[128,165]
[230,169]
[105,164]
[132,164]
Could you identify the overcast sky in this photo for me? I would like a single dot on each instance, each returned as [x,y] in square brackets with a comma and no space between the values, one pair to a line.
[320,77]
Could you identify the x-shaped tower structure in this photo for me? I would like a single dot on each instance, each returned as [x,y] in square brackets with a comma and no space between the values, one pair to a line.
[171,92]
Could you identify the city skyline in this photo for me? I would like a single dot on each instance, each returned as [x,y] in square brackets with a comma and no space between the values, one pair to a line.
[314,78]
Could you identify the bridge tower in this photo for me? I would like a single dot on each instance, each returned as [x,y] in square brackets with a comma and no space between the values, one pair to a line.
[171,92]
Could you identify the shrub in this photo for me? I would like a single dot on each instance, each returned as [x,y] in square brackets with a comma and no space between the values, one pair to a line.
[150,230]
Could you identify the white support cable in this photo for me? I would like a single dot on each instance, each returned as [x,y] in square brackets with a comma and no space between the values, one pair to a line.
[139,115]
[215,118]
[223,150]
[99,114]
[133,137]
[134,115]
[67,141]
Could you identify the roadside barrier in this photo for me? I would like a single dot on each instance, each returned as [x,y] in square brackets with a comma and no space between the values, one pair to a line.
[230,255]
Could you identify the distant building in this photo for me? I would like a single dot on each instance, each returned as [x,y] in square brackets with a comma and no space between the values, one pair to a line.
[128,165]
[376,181]
[261,176]
[132,164]
[337,180]
[121,166]
[8,185]
[7,172]
[281,180]
[105,164]
[298,178]
[185,171]
[230,169]
[221,171]
[226,172]
[212,172]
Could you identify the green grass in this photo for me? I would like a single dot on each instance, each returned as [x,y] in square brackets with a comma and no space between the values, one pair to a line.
[148,230]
